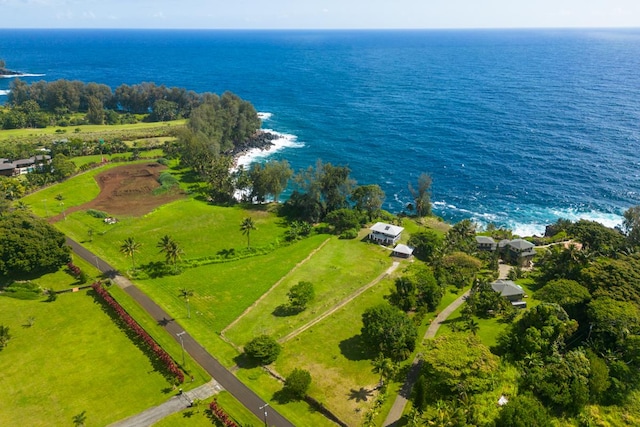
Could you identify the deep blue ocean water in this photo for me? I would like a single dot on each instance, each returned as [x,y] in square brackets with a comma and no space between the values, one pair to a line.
[516,127]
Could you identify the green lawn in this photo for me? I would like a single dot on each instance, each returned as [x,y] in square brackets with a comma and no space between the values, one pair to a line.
[70,131]
[75,191]
[333,352]
[336,271]
[72,359]
[201,229]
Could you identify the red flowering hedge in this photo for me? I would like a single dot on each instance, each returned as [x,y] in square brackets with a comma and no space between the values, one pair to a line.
[220,415]
[74,269]
[163,356]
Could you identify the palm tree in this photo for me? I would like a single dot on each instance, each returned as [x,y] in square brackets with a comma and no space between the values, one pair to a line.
[5,336]
[473,326]
[129,248]
[80,419]
[171,250]
[246,227]
[186,293]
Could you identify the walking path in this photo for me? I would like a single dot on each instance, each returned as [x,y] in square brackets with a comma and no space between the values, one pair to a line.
[221,374]
[393,418]
[171,406]
[341,304]
[275,285]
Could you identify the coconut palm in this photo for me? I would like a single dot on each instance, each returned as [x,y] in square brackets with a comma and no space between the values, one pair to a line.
[172,251]
[129,248]
[186,293]
[5,336]
[246,227]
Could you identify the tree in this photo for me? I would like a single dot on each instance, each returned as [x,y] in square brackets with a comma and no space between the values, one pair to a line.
[62,167]
[425,244]
[631,225]
[171,250]
[297,384]
[301,295]
[246,227]
[186,294]
[129,248]
[80,419]
[458,269]
[95,112]
[343,220]
[384,366]
[5,336]
[369,199]
[11,188]
[523,410]
[29,244]
[421,195]
[419,394]
[569,294]
[263,349]
[389,331]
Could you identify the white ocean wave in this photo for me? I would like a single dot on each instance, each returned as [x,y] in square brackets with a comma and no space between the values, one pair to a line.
[4,92]
[10,76]
[283,141]
[264,116]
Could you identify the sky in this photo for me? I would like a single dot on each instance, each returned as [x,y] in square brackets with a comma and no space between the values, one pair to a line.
[318,14]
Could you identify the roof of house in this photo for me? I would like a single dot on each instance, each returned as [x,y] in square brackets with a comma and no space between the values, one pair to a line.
[507,288]
[485,240]
[403,249]
[388,229]
[521,244]
[504,242]
[7,166]
[23,162]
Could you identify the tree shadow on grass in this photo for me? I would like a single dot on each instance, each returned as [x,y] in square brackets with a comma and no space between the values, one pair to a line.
[285,310]
[245,362]
[361,395]
[355,349]
[156,269]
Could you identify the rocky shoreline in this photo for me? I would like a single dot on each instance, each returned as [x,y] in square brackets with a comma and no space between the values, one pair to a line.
[261,140]
[5,72]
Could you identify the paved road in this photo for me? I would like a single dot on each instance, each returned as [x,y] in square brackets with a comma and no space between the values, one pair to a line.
[175,404]
[393,418]
[221,374]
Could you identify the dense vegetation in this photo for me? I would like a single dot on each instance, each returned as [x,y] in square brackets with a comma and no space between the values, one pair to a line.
[30,245]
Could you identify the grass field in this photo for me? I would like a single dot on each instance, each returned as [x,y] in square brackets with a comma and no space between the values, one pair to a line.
[72,359]
[201,229]
[75,191]
[67,132]
[335,276]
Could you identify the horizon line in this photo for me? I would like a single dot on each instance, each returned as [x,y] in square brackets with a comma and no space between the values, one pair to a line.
[330,29]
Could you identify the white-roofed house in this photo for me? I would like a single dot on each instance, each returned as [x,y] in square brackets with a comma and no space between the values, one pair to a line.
[386,234]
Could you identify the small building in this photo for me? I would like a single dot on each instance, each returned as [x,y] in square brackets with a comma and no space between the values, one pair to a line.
[7,168]
[402,251]
[386,234]
[486,243]
[509,290]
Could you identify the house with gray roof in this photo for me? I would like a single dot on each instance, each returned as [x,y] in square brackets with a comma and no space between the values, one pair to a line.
[509,290]
[520,252]
[385,234]
[486,243]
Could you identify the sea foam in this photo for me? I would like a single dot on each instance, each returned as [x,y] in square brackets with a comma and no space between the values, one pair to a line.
[283,141]
[4,92]
[11,76]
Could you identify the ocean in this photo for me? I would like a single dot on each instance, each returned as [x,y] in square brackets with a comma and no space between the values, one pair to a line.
[516,127]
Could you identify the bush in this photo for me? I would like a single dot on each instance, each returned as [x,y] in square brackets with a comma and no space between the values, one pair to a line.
[97,214]
[263,349]
[162,161]
[301,295]
[297,384]
[349,234]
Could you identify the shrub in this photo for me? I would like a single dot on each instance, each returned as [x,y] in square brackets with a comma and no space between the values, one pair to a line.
[297,383]
[349,234]
[97,214]
[263,349]
[301,295]
[162,356]
[221,415]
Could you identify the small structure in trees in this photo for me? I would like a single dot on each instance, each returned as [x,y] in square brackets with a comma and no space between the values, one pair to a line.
[486,243]
[510,291]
